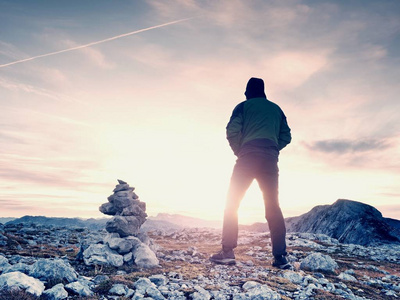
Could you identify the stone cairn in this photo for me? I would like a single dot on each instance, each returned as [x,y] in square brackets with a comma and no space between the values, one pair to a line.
[124,243]
[128,211]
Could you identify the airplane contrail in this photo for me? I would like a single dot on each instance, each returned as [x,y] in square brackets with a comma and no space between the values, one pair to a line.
[93,43]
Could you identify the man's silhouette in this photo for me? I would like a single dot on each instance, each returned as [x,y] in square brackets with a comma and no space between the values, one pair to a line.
[256,132]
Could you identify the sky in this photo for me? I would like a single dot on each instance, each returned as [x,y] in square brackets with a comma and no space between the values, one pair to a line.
[95,91]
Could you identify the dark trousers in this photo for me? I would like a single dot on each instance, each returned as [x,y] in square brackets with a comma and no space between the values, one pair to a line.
[264,169]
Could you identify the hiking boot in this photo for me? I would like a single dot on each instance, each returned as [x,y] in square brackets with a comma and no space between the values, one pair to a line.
[224,257]
[281,262]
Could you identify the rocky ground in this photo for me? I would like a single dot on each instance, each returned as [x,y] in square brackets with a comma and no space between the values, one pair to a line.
[40,262]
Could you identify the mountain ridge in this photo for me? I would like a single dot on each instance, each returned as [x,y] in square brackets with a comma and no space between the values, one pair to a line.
[186,221]
[90,223]
[348,221]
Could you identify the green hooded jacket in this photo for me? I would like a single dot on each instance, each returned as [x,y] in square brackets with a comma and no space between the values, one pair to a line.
[258,125]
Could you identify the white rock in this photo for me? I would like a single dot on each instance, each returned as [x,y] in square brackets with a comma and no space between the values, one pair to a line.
[144,257]
[3,263]
[200,294]
[20,267]
[57,292]
[154,293]
[159,279]
[111,239]
[250,285]
[118,289]
[318,262]
[54,270]
[294,277]
[102,255]
[128,257]
[79,289]
[121,245]
[345,276]
[129,293]
[142,284]
[18,280]
[261,292]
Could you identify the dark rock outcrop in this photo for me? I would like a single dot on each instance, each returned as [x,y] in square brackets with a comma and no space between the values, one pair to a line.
[347,221]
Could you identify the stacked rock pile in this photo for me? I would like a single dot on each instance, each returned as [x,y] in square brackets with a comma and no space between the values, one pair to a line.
[124,243]
[128,211]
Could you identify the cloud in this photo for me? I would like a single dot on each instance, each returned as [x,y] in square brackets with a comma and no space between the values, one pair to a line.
[373,52]
[292,69]
[342,146]
[9,138]
[174,8]
[61,119]
[15,205]
[21,175]
[44,205]
[379,154]
[10,51]
[30,89]
[94,55]
[152,55]
[46,171]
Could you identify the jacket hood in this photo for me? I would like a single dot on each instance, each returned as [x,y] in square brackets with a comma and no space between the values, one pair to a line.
[255,88]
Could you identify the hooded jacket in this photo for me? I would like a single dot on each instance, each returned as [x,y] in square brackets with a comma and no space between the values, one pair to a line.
[257,124]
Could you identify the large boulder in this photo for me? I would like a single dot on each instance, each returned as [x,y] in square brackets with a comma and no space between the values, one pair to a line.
[144,257]
[108,209]
[317,262]
[21,281]
[100,254]
[57,292]
[4,264]
[118,289]
[158,279]
[121,199]
[263,292]
[78,288]
[294,277]
[20,267]
[121,245]
[135,210]
[142,284]
[54,270]
[124,225]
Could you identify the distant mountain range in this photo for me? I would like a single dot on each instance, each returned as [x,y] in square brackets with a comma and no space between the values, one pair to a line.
[92,223]
[350,222]
[185,221]
[5,220]
[161,221]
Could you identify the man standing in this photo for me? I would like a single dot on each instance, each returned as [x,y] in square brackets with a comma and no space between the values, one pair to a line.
[256,132]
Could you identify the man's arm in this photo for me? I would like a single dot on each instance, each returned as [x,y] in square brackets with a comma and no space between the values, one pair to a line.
[284,134]
[234,129]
